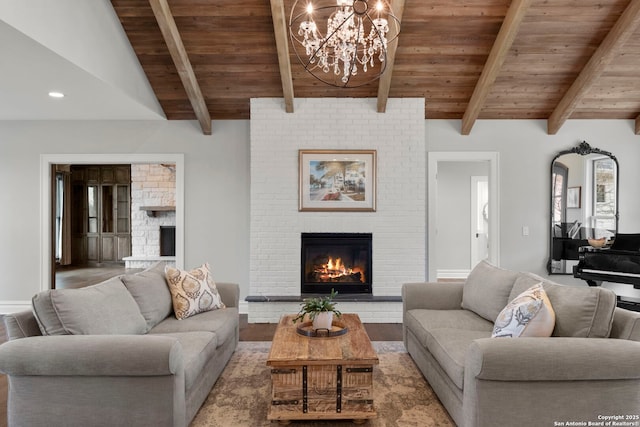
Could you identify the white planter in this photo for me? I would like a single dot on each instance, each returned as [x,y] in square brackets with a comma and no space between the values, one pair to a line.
[323,320]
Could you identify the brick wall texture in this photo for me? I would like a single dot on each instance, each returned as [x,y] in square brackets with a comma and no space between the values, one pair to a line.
[151,185]
[398,226]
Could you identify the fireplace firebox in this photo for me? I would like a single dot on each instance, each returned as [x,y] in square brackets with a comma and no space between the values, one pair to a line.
[340,261]
[168,240]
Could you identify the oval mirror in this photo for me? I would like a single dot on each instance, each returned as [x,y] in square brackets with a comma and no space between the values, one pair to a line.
[584,203]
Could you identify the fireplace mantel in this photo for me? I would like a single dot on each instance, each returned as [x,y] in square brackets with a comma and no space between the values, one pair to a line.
[153,211]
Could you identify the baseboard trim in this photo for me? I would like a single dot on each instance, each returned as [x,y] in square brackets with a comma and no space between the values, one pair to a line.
[8,307]
[453,274]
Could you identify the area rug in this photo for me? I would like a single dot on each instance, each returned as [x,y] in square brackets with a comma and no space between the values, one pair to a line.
[241,395]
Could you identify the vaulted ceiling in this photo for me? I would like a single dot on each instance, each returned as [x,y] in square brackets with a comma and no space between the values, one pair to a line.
[469,59]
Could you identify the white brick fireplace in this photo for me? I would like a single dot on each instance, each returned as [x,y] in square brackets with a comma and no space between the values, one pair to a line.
[152,186]
[398,226]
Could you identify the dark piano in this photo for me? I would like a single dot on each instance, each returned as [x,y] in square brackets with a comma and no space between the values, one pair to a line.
[619,263]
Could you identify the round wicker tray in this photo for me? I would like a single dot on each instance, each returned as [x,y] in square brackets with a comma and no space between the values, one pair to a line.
[337,328]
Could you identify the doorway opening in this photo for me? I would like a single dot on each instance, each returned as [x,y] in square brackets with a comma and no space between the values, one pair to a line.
[451,230]
[51,223]
[479,219]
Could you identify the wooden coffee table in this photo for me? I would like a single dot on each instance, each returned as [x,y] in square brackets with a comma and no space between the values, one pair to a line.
[328,378]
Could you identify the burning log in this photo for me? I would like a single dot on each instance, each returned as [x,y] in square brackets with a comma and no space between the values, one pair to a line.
[322,276]
[336,272]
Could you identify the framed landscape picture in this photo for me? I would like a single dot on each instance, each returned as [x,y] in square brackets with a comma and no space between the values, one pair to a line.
[337,180]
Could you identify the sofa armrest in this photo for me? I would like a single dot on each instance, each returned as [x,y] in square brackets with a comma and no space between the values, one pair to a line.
[546,380]
[432,295]
[626,325]
[92,355]
[552,359]
[230,293]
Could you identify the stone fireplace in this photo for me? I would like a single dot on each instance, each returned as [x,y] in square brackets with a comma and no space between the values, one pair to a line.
[340,261]
[153,213]
[397,227]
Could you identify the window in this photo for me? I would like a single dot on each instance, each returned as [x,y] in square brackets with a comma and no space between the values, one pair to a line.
[559,196]
[59,210]
[604,193]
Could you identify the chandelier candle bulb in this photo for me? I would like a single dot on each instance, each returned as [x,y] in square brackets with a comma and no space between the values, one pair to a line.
[354,35]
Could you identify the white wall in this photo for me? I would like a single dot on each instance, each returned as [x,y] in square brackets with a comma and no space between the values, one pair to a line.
[454,213]
[216,190]
[526,151]
[87,34]
[217,185]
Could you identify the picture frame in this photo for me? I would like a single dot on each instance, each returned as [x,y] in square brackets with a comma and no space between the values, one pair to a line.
[574,197]
[337,180]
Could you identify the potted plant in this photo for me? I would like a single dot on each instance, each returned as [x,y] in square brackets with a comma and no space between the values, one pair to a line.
[319,310]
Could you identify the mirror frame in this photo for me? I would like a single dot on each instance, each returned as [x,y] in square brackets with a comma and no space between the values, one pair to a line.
[582,149]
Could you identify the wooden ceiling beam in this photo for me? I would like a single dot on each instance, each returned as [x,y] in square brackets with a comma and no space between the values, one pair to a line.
[282,45]
[181,61]
[384,85]
[621,31]
[497,55]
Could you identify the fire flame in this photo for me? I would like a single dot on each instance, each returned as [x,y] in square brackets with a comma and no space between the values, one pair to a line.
[338,266]
[335,269]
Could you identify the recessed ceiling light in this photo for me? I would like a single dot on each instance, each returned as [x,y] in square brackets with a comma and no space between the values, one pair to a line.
[56,94]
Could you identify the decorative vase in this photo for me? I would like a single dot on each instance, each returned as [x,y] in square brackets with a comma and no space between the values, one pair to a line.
[323,320]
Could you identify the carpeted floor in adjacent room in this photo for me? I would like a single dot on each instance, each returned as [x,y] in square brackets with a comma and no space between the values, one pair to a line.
[242,393]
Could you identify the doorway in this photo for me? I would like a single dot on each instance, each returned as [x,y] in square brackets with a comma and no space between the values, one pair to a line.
[92,217]
[450,219]
[49,220]
[479,219]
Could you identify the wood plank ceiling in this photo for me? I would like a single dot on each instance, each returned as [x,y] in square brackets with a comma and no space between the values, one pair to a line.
[469,59]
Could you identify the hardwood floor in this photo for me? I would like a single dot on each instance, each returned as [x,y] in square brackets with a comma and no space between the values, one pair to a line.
[78,277]
[74,277]
[265,331]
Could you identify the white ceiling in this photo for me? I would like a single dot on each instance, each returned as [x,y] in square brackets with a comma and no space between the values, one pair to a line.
[43,49]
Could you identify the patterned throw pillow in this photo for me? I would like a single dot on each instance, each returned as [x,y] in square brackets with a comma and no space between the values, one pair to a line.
[192,292]
[528,315]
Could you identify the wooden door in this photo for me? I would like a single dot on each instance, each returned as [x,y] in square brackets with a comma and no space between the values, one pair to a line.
[102,226]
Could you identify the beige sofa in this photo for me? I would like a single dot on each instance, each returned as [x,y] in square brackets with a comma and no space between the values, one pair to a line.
[588,369]
[114,354]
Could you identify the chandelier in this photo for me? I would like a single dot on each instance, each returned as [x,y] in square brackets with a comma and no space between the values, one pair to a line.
[349,49]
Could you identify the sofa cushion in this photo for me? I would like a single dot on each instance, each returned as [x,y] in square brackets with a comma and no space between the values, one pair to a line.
[192,291]
[197,349]
[223,323]
[422,321]
[449,347]
[149,289]
[486,291]
[581,311]
[528,315]
[105,308]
